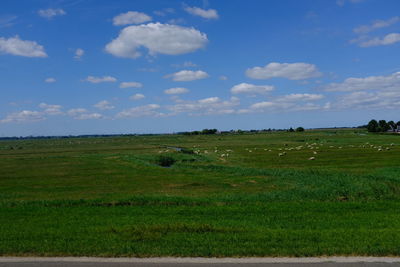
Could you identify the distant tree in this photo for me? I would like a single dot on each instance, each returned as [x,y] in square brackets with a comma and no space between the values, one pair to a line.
[291,129]
[398,123]
[372,126]
[299,129]
[392,124]
[209,131]
[383,126]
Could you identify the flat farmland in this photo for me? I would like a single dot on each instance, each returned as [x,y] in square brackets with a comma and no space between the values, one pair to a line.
[312,193]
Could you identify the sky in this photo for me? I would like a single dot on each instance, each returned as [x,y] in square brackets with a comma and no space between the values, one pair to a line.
[70,67]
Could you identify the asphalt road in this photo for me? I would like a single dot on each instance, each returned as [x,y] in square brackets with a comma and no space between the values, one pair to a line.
[200,262]
[126,264]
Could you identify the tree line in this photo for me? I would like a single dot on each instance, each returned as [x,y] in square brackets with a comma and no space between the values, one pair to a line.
[382,126]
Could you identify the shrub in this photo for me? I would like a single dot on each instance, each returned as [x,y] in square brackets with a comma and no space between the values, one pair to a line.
[165,161]
[299,129]
[187,151]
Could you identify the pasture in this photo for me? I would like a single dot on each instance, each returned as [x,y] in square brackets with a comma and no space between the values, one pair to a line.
[319,192]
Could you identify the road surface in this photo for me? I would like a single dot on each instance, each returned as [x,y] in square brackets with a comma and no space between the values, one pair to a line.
[199,262]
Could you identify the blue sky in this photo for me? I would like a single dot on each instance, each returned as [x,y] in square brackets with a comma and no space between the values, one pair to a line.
[151,66]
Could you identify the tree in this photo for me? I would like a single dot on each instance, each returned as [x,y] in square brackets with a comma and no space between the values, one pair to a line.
[372,126]
[392,124]
[291,129]
[299,129]
[383,126]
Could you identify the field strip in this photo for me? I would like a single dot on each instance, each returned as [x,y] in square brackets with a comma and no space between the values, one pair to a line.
[204,260]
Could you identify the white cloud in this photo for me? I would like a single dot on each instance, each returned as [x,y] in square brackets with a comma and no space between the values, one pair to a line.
[103,79]
[158,39]
[164,11]
[368,100]
[176,91]
[187,75]
[207,14]
[186,64]
[79,53]
[131,17]
[299,97]
[389,82]
[89,116]
[246,88]
[51,12]
[206,106]
[388,39]
[76,111]
[23,116]
[376,25]
[223,78]
[137,97]
[291,71]
[104,105]
[17,47]
[149,110]
[50,80]
[286,103]
[51,109]
[82,114]
[130,84]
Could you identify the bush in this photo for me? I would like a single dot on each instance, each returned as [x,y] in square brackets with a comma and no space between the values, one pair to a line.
[299,129]
[187,151]
[165,161]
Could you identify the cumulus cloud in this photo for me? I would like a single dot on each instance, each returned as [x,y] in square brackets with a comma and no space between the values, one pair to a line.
[137,97]
[103,79]
[89,116]
[150,110]
[23,116]
[368,100]
[51,12]
[291,71]
[17,47]
[376,25]
[104,105]
[51,109]
[187,75]
[286,103]
[299,97]
[176,91]
[207,14]
[83,114]
[388,39]
[131,17]
[130,85]
[158,39]
[50,80]
[76,111]
[79,53]
[389,82]
[206,106]
[186,64]
[246,88]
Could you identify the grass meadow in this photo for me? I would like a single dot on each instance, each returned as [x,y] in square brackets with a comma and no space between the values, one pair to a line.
[312,193]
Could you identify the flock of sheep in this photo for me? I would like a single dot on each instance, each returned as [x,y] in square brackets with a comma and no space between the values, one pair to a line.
[314,149]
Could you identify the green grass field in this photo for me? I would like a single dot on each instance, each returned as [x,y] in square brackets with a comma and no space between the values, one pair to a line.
[233,196]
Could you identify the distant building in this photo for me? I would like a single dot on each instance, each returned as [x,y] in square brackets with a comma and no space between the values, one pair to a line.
[395,129]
